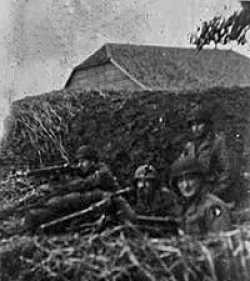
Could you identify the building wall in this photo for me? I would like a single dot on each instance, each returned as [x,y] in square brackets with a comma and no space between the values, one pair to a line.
[105,76]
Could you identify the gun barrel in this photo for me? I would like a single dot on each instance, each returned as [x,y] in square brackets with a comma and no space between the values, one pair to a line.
[49,170]
[100,205]
[157,220]
[75,215]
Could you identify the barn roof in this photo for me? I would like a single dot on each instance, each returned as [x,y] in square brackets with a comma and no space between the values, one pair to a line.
[158,67]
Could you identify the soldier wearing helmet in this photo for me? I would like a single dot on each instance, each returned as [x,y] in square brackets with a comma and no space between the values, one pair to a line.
[146,181]
[86,152]
[199,121]
[96,174]
[201,211]
[148,197]
[91,183]
[186,175]
[210,149]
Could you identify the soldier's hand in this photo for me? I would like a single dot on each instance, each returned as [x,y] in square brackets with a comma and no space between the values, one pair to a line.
[123,210]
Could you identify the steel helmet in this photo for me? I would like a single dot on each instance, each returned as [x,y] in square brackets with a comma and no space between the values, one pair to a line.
[146,172]
[86,152]
[185,166]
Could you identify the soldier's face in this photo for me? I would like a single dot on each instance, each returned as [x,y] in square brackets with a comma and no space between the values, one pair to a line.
[144,187]
[188,185]
[198,128]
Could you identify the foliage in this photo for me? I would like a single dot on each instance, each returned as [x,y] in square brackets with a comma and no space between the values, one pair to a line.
[222,30]
[126,128]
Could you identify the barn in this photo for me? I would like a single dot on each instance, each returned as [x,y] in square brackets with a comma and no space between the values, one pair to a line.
[145,67]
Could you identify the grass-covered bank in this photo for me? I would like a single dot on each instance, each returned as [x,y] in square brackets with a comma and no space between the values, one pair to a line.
[126,128]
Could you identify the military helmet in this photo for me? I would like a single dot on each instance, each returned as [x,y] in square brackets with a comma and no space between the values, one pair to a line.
[185,166]
[86,152]
[146,172]
[199,114]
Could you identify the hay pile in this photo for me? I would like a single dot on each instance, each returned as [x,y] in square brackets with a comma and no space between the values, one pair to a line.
[124,253]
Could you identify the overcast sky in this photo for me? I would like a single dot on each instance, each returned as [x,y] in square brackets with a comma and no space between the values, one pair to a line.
[41,40]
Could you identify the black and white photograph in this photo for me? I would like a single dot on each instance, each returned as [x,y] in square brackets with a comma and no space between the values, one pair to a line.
[125,140]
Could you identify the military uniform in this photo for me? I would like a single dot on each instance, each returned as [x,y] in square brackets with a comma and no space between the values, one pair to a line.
[210,149]
[160,201]
[205,215]
[162,204]
[101,178]
[91,185]
[204,212]
[96,175]
[59,206]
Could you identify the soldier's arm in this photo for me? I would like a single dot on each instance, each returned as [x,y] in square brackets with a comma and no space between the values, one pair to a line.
[74,201]
[123,209]
[103,178]
[216,215]
[169,203]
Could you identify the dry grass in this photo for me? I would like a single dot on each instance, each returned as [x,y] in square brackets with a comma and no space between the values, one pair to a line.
[124,253]
[126,128]
[49,128]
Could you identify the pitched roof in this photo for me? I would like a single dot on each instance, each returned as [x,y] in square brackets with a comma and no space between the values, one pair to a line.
[159,67]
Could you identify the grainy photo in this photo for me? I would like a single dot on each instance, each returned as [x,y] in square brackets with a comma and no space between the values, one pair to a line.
[124,141]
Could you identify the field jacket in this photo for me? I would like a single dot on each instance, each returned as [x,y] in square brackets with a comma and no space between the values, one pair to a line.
[206,214]
[212,152]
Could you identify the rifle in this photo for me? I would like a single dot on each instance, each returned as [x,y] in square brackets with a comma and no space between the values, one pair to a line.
[77,185]
[35,200]
[96,207]
[169,224]
[50,170]
[150,224]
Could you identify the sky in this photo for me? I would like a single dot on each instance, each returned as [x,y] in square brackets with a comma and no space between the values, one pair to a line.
[41,41]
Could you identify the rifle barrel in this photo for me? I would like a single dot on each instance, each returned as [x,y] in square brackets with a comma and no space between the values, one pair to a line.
[157,220]
[48,170]
[96,206]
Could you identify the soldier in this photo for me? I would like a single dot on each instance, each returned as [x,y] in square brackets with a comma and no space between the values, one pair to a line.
[148,198]
[210,149]
[94,181]
[96,174]
[201,211]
